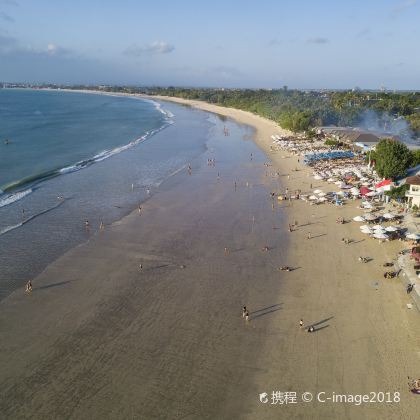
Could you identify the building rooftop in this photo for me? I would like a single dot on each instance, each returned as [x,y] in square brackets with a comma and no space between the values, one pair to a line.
[413,180]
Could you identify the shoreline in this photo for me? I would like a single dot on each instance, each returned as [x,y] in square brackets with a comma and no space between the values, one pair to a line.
[366,342]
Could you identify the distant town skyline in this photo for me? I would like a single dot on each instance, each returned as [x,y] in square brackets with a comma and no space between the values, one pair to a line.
[267,44]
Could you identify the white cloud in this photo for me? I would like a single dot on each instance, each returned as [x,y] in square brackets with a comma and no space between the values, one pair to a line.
[403,6]
[317,40]
[8,3]
[10,45]
[53,49]
[156,47]
[5,17]
[275,42]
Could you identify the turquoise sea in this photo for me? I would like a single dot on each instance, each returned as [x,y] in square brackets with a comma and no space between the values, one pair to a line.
[72,157]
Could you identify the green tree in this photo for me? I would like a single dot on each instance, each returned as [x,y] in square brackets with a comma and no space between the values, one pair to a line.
[393,158]
[415,157]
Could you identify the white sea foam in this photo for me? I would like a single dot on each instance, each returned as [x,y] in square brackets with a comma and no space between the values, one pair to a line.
[11,198]
[9,228]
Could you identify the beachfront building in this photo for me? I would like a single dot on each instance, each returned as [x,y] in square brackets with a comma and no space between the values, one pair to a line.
[413,194]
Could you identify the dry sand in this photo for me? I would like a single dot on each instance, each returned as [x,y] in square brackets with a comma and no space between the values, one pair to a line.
[99,339]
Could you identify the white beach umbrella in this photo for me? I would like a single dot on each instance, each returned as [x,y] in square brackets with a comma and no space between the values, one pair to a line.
[322,199]
[380,235]
[330,179]
[313,197]
[370,217]
[322,194]
[317,191]
[391,229]
[337,182]
[359,219]
[414,236]
[368,231]
[365,227]
[367,206]
[389,216]
[318,177]
[376,227]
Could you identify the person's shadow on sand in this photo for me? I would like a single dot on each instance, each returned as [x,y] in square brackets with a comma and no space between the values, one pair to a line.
[317,326]
[265,311]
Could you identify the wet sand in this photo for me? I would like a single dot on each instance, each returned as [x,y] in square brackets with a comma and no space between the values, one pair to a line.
[100,338]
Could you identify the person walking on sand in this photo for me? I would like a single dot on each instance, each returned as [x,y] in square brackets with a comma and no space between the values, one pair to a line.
[244,311]
[309,235]
[226,250]
[102,226]
[141,267]
[301,325]
[139,209]
[87,225]
[246,316]
[28,288]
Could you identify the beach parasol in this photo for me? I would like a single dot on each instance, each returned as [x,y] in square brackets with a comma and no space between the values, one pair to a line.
[371,194]
[414,236]
[313,197]
[317,177]
[359,219]
[389,216]
[322,199]
[370,217]
[391,229]
[380,235]
[365,227]
[322,194]
[369,231]
[376,227]
[317,191]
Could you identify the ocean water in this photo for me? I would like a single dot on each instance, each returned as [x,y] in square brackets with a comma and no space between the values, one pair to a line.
[73,157]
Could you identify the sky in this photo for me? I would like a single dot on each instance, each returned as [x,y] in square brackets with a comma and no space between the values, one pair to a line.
[304,44]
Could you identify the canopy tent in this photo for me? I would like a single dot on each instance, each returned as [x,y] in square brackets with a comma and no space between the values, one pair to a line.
[414,236]
[364,190]
[380,236]
[384,185]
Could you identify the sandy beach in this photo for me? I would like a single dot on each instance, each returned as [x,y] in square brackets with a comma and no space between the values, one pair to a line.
[101,338]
